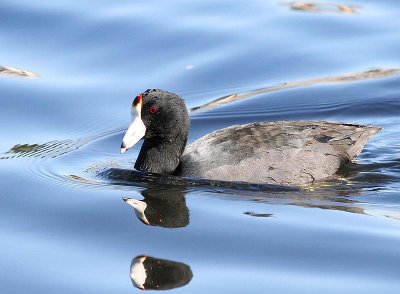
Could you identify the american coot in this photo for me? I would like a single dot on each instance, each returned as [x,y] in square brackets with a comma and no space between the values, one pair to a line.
[284,152]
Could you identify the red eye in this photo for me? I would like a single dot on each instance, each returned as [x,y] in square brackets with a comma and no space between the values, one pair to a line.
[153,109]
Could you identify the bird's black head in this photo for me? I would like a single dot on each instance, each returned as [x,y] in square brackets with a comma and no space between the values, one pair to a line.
[150,273]
[159,115]
[161,118]
[164,114]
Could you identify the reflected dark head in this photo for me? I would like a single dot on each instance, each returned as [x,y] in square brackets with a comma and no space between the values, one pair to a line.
[162,274]
[166,207]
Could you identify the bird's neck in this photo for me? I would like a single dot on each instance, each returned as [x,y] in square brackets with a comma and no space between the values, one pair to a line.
[161,155]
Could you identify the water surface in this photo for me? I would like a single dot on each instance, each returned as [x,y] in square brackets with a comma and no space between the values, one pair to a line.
[68,73]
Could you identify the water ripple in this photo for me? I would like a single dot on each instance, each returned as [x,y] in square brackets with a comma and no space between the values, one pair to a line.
[370,74]
[52,149]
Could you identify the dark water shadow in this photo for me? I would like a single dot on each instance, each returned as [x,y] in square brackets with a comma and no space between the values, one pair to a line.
[350,179]
[150,273]
[164,196]
[255,214]
[372,176]
[164,203]
[129,177]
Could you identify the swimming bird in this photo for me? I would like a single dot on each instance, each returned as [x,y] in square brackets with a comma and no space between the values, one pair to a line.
[283,152]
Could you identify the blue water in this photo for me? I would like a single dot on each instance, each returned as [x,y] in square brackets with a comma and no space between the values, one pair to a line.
[64,226]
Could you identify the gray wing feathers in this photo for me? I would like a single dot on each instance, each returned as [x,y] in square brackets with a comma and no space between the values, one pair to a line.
[275,152]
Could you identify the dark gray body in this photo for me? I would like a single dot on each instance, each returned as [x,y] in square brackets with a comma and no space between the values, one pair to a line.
[286,152]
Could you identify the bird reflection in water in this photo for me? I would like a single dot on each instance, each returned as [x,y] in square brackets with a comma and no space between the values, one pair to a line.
[161,207]
[164,198]
[150,273]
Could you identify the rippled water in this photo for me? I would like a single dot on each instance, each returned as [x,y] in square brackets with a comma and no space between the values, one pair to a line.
[68,73]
